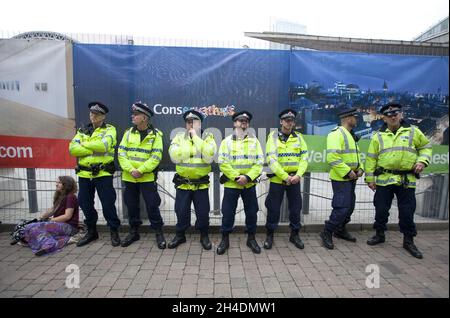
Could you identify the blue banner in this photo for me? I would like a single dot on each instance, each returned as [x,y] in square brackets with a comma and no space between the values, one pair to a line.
[217,82]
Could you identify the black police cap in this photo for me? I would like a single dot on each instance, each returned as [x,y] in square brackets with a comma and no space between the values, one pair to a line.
[390,107]
[347,112]
[192,114]
[287,113]
[241,115]
[97,107]
[142,108]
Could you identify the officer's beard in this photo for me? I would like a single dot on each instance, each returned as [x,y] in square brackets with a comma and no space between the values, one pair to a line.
[241,131]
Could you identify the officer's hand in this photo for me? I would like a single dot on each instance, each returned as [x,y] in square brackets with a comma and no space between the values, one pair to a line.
[288,180]
[136,174]
[242,180]
[372,186]
[192,132]
[418,167]
[295,179]
[352,175]
[360,173]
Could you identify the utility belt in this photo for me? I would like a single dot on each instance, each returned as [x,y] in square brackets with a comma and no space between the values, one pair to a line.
[403,173]
[179,180]
[96,168]
[224,179]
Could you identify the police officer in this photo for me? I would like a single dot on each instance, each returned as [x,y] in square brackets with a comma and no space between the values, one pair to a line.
[286,155]
[192,153]
[346,167]
[241,161]
[397,154]
[93,145]
[140,153]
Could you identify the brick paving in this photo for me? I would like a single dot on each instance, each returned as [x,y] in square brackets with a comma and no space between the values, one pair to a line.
[142,270]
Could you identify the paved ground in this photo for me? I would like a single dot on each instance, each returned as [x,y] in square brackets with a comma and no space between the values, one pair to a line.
[142,270]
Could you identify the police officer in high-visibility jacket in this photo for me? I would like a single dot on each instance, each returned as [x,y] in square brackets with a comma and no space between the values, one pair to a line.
[241,160]
[93,145]
[346,167]
[192,153]
[397,154]
[140,153]
[286,155]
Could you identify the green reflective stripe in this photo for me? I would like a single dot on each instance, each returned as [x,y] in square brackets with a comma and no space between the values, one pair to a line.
[194,165]
[335,163]
[380,141]
[137,159]
[347,146]
[392,149]
[286,164]
[372,155]
[411,137]
[242,166]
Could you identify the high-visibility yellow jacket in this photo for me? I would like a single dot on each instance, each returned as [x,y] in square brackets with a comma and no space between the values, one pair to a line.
[399,151]
[240,157]
[144,156]
[286,156]
[94,146]
[342,154]
[193,157]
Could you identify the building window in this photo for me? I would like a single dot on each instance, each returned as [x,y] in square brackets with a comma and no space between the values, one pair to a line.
[37,87]
[43,87]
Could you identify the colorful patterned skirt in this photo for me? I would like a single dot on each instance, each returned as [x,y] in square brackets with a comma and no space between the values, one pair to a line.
[48,237]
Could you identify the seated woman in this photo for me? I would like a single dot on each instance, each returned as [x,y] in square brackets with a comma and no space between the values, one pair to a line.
[59,223]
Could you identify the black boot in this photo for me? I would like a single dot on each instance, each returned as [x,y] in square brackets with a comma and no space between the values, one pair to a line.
[295,239]
[408,244]
[204,240]
[90,236]
[345,235]
[178,239]
[377,238]
[224,244]
[160,240]
[269,240]
[251,242]
[327,239]
[115,238]
[133,236]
